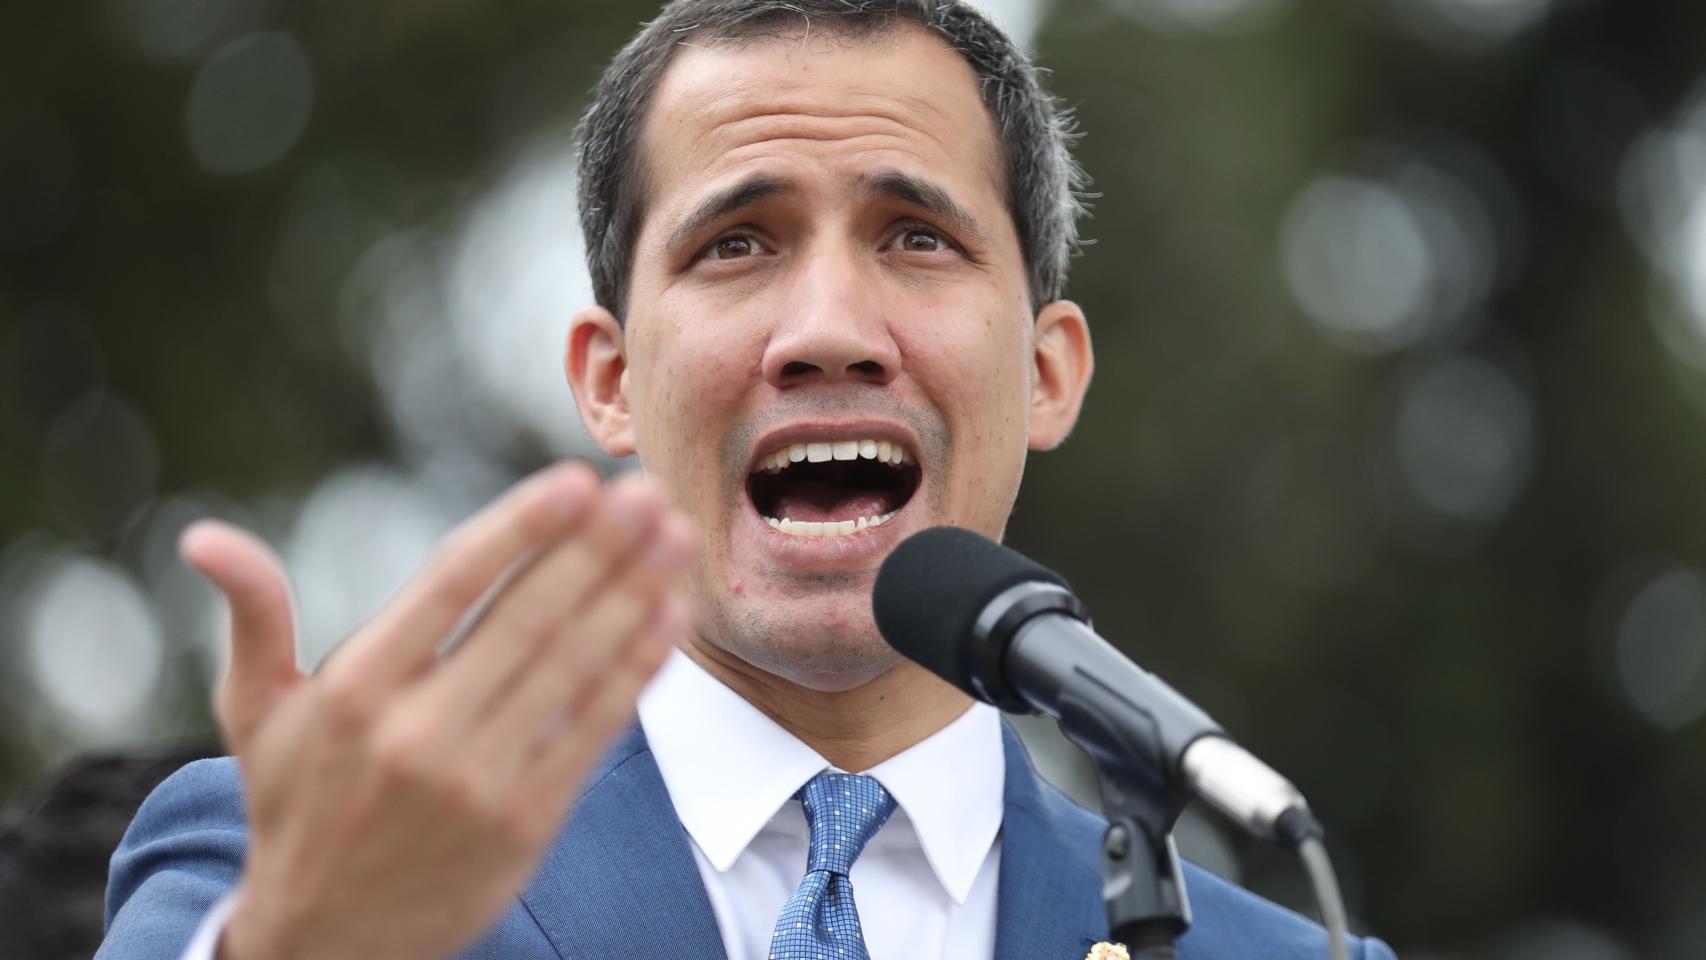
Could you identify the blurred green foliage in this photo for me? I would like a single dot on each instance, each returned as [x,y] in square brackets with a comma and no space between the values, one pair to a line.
[1445,693]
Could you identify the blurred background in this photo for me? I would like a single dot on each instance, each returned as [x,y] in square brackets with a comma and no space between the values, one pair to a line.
[1394,462]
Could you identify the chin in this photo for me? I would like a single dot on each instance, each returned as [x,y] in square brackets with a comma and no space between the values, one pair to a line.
[829,654]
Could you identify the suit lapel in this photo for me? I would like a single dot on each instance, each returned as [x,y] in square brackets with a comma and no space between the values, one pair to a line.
[1049,903]
[620,880]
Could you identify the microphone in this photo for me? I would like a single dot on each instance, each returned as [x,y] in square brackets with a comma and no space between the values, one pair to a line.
[1010,632]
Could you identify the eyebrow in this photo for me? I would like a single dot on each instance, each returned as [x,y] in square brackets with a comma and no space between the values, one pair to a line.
[927,196]
[909,189]
[724,202]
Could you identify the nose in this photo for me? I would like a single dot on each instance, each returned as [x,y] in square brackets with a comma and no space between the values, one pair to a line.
[834,328]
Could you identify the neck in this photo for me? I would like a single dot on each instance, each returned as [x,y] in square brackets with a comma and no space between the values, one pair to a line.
[854,729]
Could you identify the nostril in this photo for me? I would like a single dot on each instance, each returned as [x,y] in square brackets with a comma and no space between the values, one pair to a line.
[801,370]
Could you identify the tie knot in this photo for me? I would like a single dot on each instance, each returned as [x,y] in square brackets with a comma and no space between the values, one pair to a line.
[844,811]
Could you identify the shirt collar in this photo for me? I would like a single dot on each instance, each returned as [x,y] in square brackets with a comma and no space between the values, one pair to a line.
[951,786]
[727,779]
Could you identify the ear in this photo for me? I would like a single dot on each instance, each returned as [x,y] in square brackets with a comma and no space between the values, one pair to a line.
[596,363]
[1063,362]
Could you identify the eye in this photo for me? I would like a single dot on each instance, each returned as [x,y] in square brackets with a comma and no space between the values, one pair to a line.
[921,240]
[733,247]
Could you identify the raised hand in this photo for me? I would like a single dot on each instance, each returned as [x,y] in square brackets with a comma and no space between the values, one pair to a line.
[397,803]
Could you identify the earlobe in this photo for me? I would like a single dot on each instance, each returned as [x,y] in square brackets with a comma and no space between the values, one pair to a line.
[1062,364]
[596,363]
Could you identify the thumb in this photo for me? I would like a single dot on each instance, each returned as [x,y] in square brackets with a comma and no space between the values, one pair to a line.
[263,642]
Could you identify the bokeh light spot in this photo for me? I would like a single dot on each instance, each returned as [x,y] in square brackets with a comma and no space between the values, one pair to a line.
[1357,262]
[1662,194]
[361,534]
[160,31]
[1661,649]
[319,236]
[249,104]
[99,464]
[94,646]
[517,274]
[1691,260]
[1217,16]
[1469,26]
[1463,241]
[1408,251]
[1562,939]
[1017,18]
[1464,437]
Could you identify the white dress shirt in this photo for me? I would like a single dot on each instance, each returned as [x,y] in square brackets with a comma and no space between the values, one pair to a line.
[925,885]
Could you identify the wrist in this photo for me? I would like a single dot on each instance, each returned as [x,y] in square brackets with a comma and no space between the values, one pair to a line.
[233,944]
[256,930]
[250,934]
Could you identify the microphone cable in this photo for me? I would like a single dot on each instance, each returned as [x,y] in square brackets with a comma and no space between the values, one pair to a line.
[1298,829]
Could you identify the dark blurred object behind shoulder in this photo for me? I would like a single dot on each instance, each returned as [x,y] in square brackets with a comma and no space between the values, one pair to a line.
[55,842]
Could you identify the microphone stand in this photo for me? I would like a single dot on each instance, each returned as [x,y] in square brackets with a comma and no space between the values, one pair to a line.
[1141,881]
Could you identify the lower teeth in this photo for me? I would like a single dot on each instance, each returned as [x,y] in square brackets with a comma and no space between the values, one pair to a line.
[827,528]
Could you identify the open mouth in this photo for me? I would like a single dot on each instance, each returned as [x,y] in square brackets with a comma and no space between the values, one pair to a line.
[834,488]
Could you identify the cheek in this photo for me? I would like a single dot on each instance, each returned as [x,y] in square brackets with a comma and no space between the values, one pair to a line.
[979,373]
[979,376]
[704,378]
[685,397]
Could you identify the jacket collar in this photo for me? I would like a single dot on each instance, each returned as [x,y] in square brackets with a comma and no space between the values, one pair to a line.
[1049,902]
[621,880]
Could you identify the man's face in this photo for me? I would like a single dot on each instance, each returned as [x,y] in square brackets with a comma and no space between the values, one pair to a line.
[825,266]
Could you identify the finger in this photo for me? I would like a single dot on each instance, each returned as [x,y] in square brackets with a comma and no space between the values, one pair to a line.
[402,638]
[508,642]
[612,617]
[593,642]
[562,762]
[263,644]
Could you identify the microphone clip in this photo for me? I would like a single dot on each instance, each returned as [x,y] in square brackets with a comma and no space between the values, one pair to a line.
[1143,887]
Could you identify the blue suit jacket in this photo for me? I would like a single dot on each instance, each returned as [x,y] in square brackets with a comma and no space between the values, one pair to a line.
[620,879]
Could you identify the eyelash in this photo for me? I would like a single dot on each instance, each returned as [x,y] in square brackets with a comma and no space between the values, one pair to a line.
[946,242]
[709,253]
[910,227]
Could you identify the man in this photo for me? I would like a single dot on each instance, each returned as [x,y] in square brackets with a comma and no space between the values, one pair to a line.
[828,241]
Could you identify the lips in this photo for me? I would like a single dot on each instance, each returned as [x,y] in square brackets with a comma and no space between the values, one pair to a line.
[833,486]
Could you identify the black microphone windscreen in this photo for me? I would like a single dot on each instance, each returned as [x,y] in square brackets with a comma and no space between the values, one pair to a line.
[932,588]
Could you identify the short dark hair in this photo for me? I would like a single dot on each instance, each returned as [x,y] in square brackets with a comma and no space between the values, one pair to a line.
[1043,182]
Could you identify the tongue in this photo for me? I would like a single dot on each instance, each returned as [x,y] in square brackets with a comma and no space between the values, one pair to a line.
[818,502]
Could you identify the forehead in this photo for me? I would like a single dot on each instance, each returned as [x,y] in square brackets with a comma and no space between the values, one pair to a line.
[899,97]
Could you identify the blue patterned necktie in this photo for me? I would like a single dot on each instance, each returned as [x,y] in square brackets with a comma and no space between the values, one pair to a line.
[819,922]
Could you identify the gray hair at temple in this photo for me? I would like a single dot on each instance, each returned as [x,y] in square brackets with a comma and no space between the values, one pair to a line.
[1043,181]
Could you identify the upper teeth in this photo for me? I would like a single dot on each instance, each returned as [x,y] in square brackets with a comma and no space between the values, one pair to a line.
[881,450]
